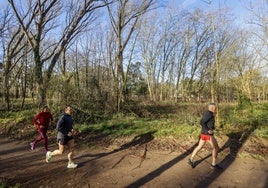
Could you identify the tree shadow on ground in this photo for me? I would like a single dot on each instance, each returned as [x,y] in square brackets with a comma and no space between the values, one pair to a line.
[138,140]
[234,143]
[161,169]
[266,181]
[11,150]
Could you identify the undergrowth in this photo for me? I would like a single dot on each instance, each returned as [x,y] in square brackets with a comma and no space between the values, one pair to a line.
[169,120]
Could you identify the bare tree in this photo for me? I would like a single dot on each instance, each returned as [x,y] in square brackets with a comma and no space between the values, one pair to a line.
[12,43]
[149,52]
[124,19]
[42,17]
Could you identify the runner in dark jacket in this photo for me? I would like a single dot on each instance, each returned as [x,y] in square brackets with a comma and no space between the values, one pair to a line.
[207,122]
[64,137]
[64,126]
[208,126]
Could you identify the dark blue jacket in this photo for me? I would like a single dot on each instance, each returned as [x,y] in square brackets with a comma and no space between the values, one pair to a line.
[64,125]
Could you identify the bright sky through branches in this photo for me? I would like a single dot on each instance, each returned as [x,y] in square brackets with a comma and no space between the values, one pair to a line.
[238,8]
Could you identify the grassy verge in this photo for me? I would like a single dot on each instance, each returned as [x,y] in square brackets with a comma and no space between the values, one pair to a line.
[173,120]
[4,184]
[129,126]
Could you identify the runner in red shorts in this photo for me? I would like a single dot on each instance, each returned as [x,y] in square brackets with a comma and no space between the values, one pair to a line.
[208,126]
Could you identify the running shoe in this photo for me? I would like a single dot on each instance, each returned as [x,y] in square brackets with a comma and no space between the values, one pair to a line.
[48,156]
[216,167]
[190,162]
[32,145]
[72,165]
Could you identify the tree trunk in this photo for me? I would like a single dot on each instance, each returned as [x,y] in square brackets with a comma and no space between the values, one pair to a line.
[6,83]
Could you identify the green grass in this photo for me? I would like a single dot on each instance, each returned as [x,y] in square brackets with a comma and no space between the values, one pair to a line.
[16,116]
[14,121]
[183,123]
[261,132]
[247,155]
[126,126]
[4,184]
[172,120]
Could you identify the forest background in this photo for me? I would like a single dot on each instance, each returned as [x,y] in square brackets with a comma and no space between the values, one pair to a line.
[130,67]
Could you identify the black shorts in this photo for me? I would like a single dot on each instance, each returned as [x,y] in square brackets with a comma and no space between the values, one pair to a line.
[64,140]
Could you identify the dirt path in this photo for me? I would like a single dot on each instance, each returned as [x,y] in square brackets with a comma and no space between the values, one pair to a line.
[127,167]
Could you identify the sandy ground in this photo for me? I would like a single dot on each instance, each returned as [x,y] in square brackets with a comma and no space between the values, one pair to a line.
[128,167]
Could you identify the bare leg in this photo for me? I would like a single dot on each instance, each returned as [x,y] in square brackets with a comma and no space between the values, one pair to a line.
[198,148]
[71,148]
[58,151]
[215,149]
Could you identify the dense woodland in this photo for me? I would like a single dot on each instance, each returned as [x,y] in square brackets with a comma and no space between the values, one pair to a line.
[105,55]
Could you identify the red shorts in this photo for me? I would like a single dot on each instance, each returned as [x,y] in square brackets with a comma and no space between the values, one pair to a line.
[205,137]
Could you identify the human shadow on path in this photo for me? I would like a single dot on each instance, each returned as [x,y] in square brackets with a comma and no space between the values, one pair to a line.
[234,143]
[136,141]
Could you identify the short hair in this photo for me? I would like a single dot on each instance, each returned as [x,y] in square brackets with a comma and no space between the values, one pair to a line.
[44,107]
[212,104]
[67,107]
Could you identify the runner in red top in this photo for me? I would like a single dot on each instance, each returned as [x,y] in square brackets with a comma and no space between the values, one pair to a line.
[42,120]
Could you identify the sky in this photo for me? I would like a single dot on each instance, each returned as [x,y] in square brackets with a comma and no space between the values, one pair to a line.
[236,7]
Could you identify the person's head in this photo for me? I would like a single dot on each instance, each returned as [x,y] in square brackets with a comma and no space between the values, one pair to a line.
[68,110]
[212,107]
[45,108]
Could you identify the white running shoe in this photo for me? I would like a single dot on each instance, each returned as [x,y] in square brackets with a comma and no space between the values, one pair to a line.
[48,156]
[72,165]
[32,145]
